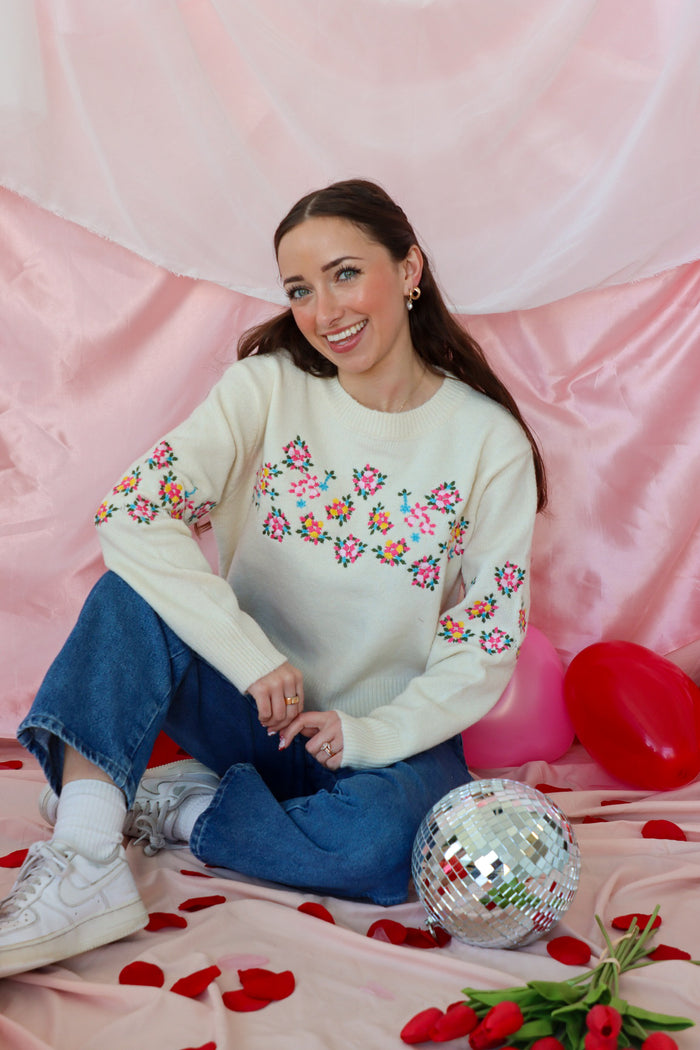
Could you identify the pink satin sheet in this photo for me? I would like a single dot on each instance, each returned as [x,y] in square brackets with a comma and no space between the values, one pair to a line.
[101,352]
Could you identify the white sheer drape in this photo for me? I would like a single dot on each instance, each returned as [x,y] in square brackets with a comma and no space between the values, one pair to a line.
[541,147]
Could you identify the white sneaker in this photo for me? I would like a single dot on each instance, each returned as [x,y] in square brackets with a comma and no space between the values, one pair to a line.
[160,794]
[64,903]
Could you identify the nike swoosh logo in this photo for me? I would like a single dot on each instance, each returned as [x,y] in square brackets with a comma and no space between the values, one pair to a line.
[72,895]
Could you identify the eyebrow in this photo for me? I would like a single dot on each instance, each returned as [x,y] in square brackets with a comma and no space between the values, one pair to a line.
[324,269]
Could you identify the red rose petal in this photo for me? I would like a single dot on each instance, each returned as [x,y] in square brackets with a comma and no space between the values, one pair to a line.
[623,922]
[199,903]
[15,859]
[197,874]
[12,763]
[615,802]
[457,1021]
[242,1003]
[663,952]
[265,984]
[161,920]
[547,789]
[317,910]
[204,1046]
[195,983]
[142,973]
[663,829]
[418,1029]
[569,950]
[595,820]
[416,938]
[441,936]
[388,930]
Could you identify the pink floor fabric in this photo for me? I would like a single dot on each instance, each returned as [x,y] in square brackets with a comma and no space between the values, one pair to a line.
[351,991]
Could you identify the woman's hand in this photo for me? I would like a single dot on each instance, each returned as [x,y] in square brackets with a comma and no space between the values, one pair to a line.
[279,697]
[325,732]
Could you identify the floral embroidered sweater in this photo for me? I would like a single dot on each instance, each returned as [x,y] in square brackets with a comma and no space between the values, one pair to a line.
[383,554]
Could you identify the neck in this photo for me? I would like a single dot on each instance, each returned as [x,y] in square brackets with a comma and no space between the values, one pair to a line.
[412,390]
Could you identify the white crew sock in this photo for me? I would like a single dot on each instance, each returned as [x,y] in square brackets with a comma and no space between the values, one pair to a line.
[90,817]
[187,815]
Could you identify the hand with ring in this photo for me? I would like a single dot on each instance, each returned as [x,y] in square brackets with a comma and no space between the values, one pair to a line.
[325,736]
[279,697]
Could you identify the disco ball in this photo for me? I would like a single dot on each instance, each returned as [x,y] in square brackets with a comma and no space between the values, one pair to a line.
[495,863]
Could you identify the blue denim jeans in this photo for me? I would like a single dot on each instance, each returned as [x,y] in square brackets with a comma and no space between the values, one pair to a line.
[123,676]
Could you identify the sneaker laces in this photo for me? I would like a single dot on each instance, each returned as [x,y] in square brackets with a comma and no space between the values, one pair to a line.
[42,863]
[150,825]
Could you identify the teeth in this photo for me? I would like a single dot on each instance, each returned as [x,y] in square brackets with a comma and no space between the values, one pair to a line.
[346,333]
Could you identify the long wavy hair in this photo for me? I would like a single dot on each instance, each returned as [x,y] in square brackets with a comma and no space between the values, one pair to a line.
[438,339]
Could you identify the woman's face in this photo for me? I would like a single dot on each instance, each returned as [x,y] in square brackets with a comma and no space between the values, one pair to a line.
[348,295]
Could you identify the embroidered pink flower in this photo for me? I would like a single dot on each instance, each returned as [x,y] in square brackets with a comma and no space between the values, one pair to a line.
[444,498]
[171,492]
[392,553]
[340,510]
[142,510]
[495,641]
[129,483]
[276,525]
[454,630]
[367,480]
[419,518]
[162,457]
[312,531]
[104,512]
[379,520]
[509,579]
[455,544]
[347,551]
[482,609]
[522,619]
[263,481]
[297,455]
[425,572]
[307,487]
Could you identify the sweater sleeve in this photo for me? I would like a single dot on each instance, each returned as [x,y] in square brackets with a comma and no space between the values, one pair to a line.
[477,639]
[204,466]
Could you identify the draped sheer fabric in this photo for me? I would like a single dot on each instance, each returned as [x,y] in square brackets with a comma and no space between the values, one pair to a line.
[545,152]
[542,147]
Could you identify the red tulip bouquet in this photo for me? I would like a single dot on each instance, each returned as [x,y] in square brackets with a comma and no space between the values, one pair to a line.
[582,1013]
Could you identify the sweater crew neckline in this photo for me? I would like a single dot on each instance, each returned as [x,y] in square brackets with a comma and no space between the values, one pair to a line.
[396,425]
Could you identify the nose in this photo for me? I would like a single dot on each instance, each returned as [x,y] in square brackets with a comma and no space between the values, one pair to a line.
[328,309]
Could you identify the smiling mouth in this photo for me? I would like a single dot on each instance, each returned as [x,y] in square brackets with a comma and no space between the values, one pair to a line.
[347,333]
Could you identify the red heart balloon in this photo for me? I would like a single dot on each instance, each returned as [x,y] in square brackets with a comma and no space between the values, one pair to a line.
[636,713]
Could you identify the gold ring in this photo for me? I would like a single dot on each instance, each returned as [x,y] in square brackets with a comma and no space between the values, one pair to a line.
[328,749]
[289,700]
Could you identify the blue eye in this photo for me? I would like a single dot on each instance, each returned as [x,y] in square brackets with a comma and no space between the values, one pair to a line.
[297,293]
[347,273]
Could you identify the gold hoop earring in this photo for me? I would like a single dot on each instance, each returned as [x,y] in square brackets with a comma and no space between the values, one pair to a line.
[413,296]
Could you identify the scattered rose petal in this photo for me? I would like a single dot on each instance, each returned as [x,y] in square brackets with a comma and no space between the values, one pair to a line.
[196,874]
[387,930]
[547,789]
[615,802]
[161,920]
[199,903]
[569,950]
[15,859]
[663,829]
[623,922]
[317,910]
[458,1020]
[664,952]
[418,1029]
[243,1003]
[12,763]
[416,938]
[595,820]
[195,983]
[142,973]
[441,936]
[265,984]
[204,1046]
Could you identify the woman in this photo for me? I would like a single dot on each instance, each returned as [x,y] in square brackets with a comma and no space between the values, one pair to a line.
[371,600]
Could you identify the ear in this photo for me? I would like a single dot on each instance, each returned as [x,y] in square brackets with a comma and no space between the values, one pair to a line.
[413,267]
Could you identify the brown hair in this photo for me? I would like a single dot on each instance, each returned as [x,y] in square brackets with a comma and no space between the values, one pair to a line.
[439,340]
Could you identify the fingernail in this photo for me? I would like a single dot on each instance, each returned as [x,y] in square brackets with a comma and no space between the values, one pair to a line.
[271,732]
[283,743]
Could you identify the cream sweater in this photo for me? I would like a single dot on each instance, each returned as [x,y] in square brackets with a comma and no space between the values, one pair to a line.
[384,554]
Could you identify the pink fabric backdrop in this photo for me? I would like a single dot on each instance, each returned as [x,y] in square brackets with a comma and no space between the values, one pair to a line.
[101,352]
